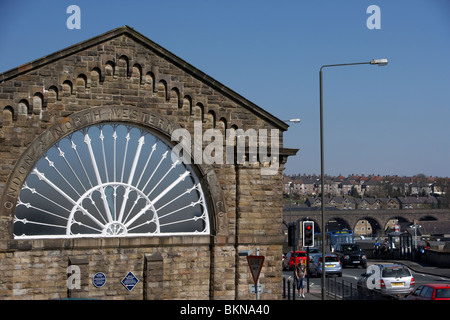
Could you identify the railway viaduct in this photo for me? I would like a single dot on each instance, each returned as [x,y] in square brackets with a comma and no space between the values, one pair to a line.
[377,218]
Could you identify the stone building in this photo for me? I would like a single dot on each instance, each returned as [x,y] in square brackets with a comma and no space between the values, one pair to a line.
[111,162]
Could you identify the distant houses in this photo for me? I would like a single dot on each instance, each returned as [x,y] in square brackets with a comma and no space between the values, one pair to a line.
[428,202]
[367,193]
[350,203]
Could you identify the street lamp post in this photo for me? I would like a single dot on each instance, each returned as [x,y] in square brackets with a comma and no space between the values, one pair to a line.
[379,62]
[415,227]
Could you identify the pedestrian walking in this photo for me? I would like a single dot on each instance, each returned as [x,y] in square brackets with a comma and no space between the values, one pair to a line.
[377,250]
[300,271]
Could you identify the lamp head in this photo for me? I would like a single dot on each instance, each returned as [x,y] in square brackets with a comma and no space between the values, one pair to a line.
[379,62]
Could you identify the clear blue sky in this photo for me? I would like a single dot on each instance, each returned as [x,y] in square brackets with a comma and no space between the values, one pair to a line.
[382,120]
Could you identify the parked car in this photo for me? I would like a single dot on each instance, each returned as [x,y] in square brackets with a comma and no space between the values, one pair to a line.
[289,263]
[390,278]
[431,292]
[332,265]
[351,254]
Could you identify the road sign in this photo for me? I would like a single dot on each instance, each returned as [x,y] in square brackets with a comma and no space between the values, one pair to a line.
[254,286]
[130,281]
[255,263]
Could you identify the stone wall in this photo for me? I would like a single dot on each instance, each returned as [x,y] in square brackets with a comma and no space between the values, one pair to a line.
[123,76]
[438,258]
[39,271]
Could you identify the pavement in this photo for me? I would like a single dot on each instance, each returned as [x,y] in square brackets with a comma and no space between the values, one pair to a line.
[419,267]
[313,294]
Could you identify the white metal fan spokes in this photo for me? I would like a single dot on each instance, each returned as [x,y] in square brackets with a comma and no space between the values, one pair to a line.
[110,179]
[110,209]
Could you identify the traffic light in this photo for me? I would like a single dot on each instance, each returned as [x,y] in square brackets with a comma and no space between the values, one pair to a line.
[308,234]
[292,234]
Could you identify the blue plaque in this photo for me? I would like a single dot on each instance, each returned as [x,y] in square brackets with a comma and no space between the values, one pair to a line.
[129,281]
[99,279]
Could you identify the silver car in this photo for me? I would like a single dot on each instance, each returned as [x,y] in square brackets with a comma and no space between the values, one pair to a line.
[389,278]
[332,265]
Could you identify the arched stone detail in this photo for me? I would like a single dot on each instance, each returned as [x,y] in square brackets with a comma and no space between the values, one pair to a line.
[208,179]
[428,217]
[110,69]
[136,75]
[402,218]
[146,79]
[348,223]
[67,88]
[375,219]
[23,107]
[81,83]
[123,66]
[8,116]
[96,76]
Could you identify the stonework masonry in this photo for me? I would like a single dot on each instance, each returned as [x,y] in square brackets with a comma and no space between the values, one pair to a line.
[122,76]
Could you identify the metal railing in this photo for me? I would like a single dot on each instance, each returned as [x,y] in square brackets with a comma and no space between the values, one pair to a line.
[338,289]
[289,285]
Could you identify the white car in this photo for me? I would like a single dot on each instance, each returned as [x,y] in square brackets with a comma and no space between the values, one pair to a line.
[395,279]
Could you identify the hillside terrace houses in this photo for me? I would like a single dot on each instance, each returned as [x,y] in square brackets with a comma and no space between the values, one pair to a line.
[417,202]
[350,203]
[310,185]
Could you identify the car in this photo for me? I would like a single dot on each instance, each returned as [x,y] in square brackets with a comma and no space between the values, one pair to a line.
[390,278]
[431,292]
[350,254]
[314,250]
[289,263]
[332,265]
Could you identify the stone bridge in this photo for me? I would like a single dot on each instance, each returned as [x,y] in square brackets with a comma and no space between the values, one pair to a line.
[377,218]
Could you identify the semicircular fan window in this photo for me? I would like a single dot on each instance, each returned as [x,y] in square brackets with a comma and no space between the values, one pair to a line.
[110,180]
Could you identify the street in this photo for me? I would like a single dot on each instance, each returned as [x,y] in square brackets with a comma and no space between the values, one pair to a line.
[352,275]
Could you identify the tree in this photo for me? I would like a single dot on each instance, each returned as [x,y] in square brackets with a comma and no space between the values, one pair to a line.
[354,192]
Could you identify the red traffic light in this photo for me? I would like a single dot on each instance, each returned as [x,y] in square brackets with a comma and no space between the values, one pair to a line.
[308,233]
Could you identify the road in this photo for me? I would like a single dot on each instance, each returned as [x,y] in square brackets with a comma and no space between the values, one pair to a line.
[353,274]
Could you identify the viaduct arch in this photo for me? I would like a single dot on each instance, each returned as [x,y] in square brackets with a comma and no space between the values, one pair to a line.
[377,218]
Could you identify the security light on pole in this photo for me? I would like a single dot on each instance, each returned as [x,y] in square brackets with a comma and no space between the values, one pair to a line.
[295,120]
[379,62]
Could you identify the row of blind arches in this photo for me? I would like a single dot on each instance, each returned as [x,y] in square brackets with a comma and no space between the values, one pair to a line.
[82,84]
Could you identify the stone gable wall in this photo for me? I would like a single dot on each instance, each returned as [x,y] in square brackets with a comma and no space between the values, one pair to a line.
[123,79]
